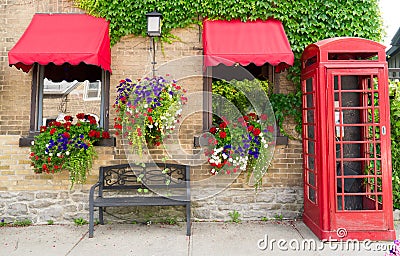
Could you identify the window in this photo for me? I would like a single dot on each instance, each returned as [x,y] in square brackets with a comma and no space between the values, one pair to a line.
[92,90]
[68,90]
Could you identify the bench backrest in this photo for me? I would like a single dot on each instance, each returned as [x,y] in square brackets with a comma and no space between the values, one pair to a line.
[149,175]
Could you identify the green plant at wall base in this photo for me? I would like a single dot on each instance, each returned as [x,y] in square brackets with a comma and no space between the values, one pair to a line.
[235,216]
[395,138]
[22,223]
[80,221]
[66,144]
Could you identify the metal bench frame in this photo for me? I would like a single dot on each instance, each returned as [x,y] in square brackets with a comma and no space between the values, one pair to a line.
[174,178]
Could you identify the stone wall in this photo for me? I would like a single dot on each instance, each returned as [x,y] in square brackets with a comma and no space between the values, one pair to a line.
[24,194]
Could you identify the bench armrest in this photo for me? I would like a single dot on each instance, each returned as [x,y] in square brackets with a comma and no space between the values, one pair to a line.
[92,189]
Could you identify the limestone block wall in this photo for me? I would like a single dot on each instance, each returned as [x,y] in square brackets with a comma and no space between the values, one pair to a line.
[38,197]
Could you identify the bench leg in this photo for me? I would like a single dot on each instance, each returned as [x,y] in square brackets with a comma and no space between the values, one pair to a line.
[91,220]
[101,219]
[188,220]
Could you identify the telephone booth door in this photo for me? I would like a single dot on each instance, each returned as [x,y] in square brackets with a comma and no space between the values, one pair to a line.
[360,144]
[346,140]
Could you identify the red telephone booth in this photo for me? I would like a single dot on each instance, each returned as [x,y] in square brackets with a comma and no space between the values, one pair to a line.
[346,140]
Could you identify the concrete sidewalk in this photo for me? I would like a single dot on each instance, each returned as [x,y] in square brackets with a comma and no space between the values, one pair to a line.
[208,239]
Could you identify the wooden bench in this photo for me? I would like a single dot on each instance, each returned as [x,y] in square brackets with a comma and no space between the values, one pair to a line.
[170,184]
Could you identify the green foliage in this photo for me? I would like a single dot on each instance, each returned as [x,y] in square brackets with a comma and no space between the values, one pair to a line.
[80,221]
[305,22]
[395,137]
[287,105]
[50,222]
[22,223]
[278,217]
[237,93]
[235,216]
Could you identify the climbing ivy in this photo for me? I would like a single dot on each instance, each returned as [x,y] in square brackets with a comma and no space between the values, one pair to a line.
[304,21]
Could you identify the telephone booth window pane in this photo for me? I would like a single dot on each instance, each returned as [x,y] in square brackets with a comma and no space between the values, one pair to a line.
[311,147]
[311,195]
[310,132]
[310,117]
[311,163]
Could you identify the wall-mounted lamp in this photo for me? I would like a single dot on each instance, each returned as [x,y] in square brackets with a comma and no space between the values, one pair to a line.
[153,30]
[154,24]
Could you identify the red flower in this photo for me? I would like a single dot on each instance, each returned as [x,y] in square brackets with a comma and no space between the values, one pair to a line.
[139,131]
[222,134]
[32,154]
[121,81]
[92,133]
[44,166]
[263,117]
[246,118]
[270,128]
[222,125]
[256,132]
[92,121]
[149,110]
[66,135]
[80,116]
[118,126]
[250,128]
[252,115]
[213,130]
[49,159]
[52,131]
[68,118]
[106,135]
[58,124]
[43,128]
[150,119]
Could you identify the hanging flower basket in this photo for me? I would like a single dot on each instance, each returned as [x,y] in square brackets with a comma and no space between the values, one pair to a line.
[67,145]
[147,110]
[240,146]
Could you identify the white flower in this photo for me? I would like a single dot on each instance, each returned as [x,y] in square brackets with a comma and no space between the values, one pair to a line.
[67,153]
[265,145]
[150,126]
[46,152]
[47,145]
[58,154]
[224,156]
[32,142]
[51,154]
[145,106]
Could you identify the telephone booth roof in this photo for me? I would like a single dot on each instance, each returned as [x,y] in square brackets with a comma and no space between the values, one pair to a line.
[345,48]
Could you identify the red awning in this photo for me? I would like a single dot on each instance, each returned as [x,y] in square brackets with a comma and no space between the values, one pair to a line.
[258,42]
[63,38]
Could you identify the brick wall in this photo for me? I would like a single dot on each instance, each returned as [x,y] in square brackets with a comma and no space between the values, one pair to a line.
[131,58]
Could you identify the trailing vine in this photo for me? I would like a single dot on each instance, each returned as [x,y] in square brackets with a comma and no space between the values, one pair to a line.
[395,137]
[304,21]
